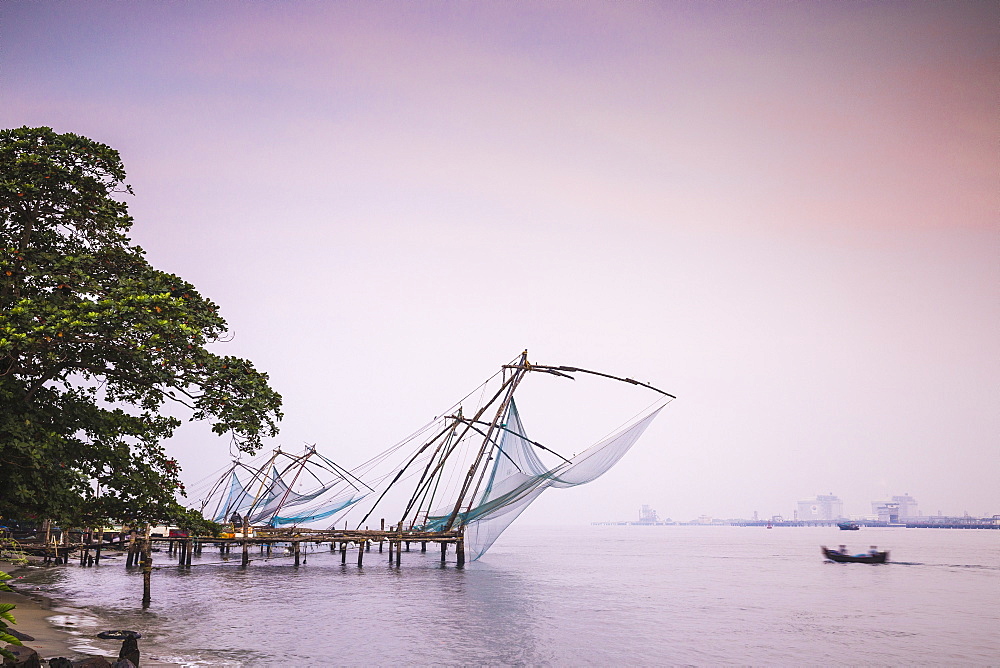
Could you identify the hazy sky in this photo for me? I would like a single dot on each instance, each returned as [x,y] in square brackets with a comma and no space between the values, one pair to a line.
[784,213]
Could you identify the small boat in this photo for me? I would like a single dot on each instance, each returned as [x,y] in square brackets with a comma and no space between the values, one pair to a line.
[866,558]
[848,526]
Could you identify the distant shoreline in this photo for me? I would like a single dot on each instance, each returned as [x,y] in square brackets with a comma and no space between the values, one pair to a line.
[953,523]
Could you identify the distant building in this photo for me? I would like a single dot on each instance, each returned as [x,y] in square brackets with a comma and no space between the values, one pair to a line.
[647,515]
[907,506]
[887,511]
[900,509]
[823,507]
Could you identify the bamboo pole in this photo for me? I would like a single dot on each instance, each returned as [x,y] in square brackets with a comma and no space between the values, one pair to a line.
[515,380]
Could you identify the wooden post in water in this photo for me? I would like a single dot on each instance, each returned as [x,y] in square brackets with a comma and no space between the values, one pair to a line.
[399,543]
[295,549]
[97,550]
[190,548]
[460,550]
[423,546]
[361,551]
[147,569]
[343,553]
[246,541]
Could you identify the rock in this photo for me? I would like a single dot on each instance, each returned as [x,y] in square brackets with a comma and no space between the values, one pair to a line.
[60,662]
[130,651]
[123,663]
[24,657]
[92,662]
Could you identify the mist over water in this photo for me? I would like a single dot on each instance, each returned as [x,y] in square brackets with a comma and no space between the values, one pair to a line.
[594,595]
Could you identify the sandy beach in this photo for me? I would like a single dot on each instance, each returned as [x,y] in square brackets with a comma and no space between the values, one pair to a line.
[38,617]
[32,613]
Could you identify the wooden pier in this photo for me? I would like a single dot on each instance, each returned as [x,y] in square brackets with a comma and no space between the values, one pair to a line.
[395,541]
[138,549]
[266,540]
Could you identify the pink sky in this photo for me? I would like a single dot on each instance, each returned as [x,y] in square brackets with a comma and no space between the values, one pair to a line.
[784,213]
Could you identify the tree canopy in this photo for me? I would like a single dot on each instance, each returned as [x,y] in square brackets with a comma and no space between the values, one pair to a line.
[94,341]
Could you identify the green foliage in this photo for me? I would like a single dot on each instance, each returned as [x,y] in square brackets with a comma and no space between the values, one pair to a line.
[6,618]
[195,523]
[10,550]
[94,342]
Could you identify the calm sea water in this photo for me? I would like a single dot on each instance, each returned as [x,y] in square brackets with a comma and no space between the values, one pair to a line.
[594,595]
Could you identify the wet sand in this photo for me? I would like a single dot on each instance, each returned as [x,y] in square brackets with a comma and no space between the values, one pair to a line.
[37,615]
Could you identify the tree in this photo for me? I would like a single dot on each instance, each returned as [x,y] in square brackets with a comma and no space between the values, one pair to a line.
[94,342]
